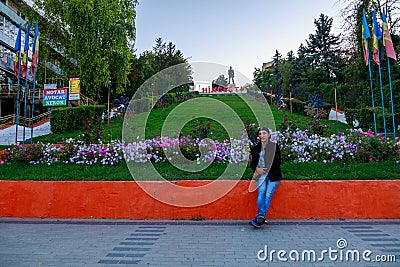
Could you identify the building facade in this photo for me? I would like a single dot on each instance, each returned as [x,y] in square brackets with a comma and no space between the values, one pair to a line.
[10,19]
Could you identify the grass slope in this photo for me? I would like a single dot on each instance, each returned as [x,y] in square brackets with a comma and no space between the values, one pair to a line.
[186,121]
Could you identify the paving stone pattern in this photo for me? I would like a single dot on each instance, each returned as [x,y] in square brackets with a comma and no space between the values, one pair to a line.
[36,242]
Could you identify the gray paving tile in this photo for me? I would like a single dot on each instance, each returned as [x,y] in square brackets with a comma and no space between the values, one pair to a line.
[186,243]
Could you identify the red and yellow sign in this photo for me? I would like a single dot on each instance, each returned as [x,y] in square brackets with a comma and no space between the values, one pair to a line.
[74,88]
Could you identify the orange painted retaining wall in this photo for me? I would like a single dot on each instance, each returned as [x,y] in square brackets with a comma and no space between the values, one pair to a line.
[292,200]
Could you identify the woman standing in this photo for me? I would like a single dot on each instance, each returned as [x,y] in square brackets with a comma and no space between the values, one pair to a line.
[266,164]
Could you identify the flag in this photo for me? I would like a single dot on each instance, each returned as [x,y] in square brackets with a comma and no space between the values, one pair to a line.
[365,36]
[17,50]
[24,63]
[387,40]
[376,36]
[35,50]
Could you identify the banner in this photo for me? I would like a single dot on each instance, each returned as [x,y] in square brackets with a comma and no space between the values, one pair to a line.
[53,96]
[74,88]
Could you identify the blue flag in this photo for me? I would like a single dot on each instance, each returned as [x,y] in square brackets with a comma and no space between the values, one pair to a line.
[17,49]
[364,37]
[17,46]
[24,63]
[365,29]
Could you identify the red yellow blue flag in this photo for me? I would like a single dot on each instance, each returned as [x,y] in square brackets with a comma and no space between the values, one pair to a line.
[24,63]
[35,50]
[365,36]
[387,40]
[376,36]
[17,50]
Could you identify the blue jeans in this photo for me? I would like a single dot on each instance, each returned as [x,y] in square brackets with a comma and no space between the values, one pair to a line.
[266,190]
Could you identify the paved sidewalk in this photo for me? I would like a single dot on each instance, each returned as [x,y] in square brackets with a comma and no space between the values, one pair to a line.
[37,242]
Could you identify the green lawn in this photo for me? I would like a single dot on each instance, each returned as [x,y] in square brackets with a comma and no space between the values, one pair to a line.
[120,172]
[186,118]
[156,119]
[223,118]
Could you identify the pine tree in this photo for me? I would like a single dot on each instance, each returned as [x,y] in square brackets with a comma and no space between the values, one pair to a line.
[276,73]
[323,46]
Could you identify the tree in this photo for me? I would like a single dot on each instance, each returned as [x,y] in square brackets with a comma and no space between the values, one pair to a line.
[97,36]
[285,68]
[276,73]
[300,65]
[149,63]
[166,55]
[142,68]
[290,56]
[356,73]
[323,46]
[221,81]
[262,79]
[351,17]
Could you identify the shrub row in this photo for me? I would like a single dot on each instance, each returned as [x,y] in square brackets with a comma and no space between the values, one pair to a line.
[70,119]
[365,118]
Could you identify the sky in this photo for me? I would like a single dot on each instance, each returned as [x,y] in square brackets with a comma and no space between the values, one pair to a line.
[238,33]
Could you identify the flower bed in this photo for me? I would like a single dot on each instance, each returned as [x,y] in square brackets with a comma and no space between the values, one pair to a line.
[296,146]
[293,199]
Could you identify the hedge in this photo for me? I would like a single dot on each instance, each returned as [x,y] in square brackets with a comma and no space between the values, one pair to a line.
[70,119]
[365,118]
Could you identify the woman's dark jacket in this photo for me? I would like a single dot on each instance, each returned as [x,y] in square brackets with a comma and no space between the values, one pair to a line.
[272,154]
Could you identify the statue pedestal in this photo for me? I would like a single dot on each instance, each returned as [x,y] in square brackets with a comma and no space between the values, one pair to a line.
[231,87]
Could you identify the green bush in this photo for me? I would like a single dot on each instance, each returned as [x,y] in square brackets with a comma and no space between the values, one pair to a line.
[351,116]
[24,154]
[365,117]
[69,119]
[317,127]
[201,130]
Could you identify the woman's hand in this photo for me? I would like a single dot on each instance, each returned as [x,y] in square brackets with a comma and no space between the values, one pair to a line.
[259,172]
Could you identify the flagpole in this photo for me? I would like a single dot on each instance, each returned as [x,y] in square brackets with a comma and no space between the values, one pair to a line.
[25,93]
[391,100]
[33,100]
[390,53]
[18,95]
[383,100]
[26,52]
[371,87]
[34,65]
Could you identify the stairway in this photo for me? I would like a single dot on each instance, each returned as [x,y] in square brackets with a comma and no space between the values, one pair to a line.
[8,130]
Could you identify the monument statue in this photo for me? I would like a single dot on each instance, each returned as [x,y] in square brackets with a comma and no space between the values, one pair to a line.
[231,75]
